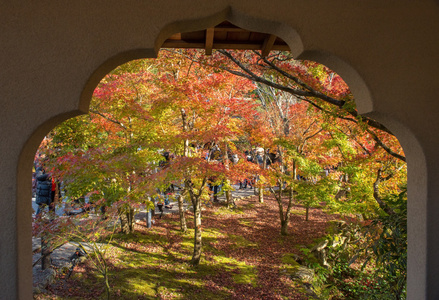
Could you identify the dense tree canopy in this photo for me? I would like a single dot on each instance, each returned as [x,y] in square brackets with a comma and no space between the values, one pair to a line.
[194,121]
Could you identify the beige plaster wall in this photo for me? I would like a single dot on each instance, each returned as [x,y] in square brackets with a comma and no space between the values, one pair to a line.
[53,53]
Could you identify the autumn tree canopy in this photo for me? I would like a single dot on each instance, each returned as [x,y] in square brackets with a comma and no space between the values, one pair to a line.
[317,149]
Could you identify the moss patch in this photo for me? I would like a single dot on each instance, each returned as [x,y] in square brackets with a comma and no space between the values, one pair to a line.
[228,211]
[239,241]
[289,264]
[242,272]
[300,212]
[246,222]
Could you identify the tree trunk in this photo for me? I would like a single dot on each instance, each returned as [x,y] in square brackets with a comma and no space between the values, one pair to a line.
[148,218]
[45,252]
[284,223]
[376,193]
[183,224]
[124,227]
[126,217]
[307,213]
[46,248]
[284,227]
[229,198]
[197,234]
[289,207]
[283,217]
[185,129]
[261,194]
[107,284]
[261,190]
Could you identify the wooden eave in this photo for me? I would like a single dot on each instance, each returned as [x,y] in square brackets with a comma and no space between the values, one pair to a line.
[226,36]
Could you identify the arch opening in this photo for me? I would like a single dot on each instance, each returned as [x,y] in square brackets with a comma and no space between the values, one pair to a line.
[315,69]
[367,107]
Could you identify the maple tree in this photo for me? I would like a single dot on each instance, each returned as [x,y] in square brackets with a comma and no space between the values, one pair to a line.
[92,235]
[306,80]
[102,154]
[317,150]
[202,110]
[365,147]
[137,111]
[324,90]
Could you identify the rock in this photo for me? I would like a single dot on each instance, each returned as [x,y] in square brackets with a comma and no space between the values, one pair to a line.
[320,246]
[37,290]
[320,252]
[303,274]
[297,258]
[49,276]
[338,240]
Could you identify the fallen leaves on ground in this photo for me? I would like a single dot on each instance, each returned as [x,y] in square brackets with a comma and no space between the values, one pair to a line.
[249,237]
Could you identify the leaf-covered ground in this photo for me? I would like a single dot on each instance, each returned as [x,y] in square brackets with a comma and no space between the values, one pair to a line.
[242,258]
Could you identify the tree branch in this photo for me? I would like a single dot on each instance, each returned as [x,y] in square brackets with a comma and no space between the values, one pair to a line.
[309,93]
[108,118]
[385,147]
[376,194]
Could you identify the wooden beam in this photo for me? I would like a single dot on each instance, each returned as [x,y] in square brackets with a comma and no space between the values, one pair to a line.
[181,44]
[176,36]
[247,46]
[238,46]
[209,40]
[226,45]
[230,29]
[268,45]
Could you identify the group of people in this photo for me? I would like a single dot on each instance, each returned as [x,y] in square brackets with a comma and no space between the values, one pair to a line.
[214,153]
[257,156]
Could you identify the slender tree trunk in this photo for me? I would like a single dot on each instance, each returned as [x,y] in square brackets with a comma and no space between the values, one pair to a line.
[45,252]
[376,193]
[289,207]
[107,285]
[229,199]
[261,194]
[260,189]
[124,223]
[307,214]
[283,218]
[294,171]
[185,129]
[148,218]
[197,234]
[284,227]
[183,225]
[107,288]
[264,164]
[126,217]
[46,248]
[131,219]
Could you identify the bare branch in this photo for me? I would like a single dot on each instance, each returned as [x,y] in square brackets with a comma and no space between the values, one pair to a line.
[108,118]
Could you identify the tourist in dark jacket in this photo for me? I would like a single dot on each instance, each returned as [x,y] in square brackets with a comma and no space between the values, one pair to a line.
[44,190]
